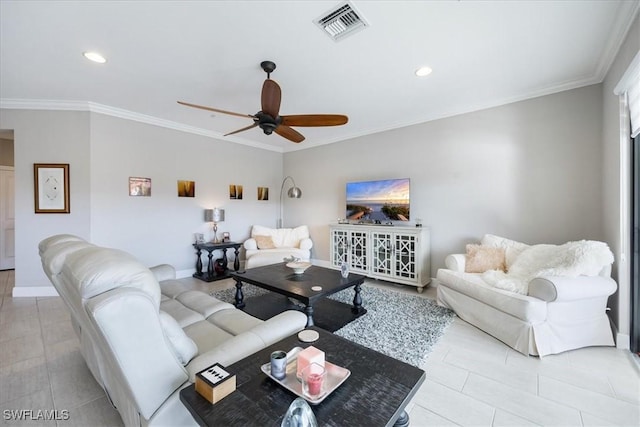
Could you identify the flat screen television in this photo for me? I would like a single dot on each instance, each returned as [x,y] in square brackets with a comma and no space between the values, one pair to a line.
[382,200]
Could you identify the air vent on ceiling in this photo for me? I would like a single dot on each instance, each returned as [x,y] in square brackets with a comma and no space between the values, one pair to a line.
[341,21]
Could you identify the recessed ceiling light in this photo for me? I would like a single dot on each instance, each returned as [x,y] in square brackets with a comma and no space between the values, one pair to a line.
[95,57]
[423,71]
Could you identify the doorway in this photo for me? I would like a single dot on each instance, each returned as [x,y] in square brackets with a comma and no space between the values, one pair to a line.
[7,201]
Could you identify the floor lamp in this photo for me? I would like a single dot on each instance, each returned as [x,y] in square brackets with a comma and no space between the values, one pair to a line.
[293,192]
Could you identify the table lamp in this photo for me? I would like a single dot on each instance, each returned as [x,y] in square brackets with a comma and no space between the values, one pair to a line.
[214,215]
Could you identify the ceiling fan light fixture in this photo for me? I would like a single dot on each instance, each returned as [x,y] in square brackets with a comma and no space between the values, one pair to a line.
[423,71]
[95,57]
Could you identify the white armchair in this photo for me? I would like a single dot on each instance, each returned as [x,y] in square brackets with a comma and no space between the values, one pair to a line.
[271,245]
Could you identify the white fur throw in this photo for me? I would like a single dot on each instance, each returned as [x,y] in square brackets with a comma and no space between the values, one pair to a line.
[582,258]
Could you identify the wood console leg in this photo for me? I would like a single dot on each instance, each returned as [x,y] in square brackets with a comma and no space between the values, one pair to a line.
[199,263]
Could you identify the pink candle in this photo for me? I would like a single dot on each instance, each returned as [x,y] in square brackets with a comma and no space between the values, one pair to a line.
[314,382]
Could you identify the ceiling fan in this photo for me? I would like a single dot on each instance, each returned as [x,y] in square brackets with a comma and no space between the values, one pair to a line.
[269,120]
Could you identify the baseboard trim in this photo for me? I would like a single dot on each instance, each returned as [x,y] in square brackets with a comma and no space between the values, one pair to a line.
[34,291]
[623,341]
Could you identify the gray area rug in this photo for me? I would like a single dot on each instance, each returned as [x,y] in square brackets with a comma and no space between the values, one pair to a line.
[405,327]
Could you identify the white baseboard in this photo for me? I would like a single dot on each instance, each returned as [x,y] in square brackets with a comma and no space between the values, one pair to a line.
[623,341]
[34,291]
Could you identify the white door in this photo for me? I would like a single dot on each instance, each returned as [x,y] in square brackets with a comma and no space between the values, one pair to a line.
[7,218]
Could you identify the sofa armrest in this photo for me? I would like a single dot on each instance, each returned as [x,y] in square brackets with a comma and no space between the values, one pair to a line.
[561,288]
[250,244]
[163,272]
[456,262]
[306,243]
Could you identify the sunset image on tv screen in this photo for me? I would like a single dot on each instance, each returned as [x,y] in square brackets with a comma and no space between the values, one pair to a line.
[383,200]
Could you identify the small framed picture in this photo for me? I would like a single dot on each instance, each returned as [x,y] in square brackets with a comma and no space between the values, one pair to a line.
[263,193]
[139,186]
[226,237]
[186,188]
[235,192]
[198,237]
[51,187]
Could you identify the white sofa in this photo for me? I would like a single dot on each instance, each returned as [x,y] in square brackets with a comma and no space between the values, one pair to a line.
[550,299]
[271,245]
[143,334]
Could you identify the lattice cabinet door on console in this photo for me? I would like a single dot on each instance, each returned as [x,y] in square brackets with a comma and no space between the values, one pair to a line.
[350,246]
[395,253]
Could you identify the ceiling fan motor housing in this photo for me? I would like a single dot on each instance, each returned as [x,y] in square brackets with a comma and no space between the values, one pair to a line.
[267,123]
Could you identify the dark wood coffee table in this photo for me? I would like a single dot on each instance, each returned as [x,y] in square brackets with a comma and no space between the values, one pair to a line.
[375,394]
[315,284]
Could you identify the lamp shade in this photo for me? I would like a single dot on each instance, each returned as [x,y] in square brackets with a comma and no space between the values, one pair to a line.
[294,192]
[218,215]
[208,215]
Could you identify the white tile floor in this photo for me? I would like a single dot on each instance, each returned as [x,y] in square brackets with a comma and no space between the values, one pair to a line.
[472,379]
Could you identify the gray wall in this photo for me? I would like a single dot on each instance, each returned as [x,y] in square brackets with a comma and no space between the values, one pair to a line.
[530,171]
[103,152]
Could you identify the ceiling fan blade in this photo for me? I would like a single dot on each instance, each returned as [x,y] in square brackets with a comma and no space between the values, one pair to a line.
[242,130]
[271,96]
[202,107]
[289,133]
[314,120]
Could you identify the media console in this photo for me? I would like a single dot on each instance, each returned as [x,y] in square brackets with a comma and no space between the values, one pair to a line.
[398,254]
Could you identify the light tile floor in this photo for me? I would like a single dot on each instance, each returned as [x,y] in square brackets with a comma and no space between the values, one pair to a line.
[472,379]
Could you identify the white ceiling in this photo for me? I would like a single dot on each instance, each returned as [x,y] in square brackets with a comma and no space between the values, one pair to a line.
[208,52]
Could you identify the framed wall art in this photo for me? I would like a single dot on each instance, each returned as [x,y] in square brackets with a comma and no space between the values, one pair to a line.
[263,193]
[139,186]
[186,188]
[51,187]
[235,192]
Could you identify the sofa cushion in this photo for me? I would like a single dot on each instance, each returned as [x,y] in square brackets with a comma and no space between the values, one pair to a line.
[183,315]
[201,303]
[512,248]
[96,270]
[264,242]
[183,347]
[206,335]
[282,237]
[482,258]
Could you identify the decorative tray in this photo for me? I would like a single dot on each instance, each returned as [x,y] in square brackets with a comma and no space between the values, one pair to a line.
[336,375]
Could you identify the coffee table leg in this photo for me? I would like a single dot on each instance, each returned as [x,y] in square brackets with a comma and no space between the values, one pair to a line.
[403,420]
[239,295]
[309,310]
[357,300]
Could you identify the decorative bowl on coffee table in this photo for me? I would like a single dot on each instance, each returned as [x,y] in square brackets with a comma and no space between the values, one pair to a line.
[299,267]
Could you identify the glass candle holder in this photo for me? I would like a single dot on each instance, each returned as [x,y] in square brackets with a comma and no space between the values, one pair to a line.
[313,377]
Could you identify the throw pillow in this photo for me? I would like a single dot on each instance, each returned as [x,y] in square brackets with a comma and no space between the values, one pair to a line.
[483,258]
[264,242]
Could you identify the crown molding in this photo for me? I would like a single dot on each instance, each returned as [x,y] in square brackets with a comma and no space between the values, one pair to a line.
[625,17]
[93,107]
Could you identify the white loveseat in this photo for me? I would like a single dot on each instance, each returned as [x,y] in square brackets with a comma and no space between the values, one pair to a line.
[271,245]
[550,299]
[143,334]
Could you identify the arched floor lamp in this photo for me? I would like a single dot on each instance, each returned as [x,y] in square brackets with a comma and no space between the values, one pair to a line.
[293,193]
